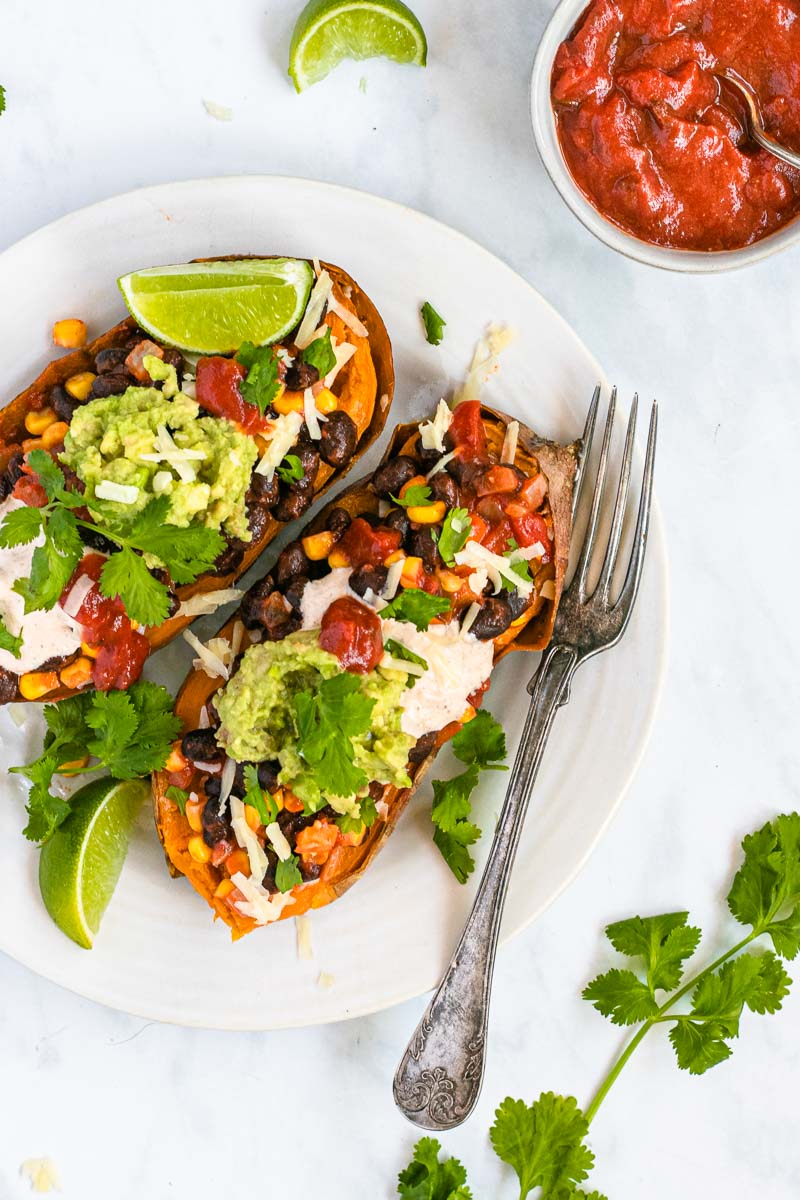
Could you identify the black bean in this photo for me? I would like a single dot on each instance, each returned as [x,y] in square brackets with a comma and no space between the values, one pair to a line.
[213,787]
[97,541]
[465,471]
[295,499]
[338,521]
[258,518]
[293,591]
[292,561]
[339,439]
[423,747]
[301,375]
[427,458]
[397,519]
[63,404]
[444,487]
[231,557]
[291,823]
[215,827]
[310,871]
[200,745]
[368,577]
[517,603]
[277,618]
[8,686]
[110,385]
[11,474]
[493,619]
[268,775]
[389,478]
[264,492]
[253,601]
[110,359]
[422,545]
[173,358]
[309,458]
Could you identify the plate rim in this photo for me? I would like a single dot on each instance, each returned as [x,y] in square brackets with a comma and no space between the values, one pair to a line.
[660,661]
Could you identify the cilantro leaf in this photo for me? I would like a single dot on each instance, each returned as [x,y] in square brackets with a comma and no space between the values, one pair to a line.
[401,652]
[664,942]
[113,721]
[425,1178]
[20,526]
[53,563]
[434,324]
[698,1047]
[520,568]
[326,721]
[145,598]
[415,606]
[417,494]
[451,799]
[287,874]
[178,797]
[261,384]
[622,997]
[50,475]
[320,354]
[2,99]
[45,811]
[453,848]
[456,529]
[544,1143]
[768,883]
[481,741]
[185,552]
[293,470]
[66,721]
[11,642]
[157,729]
[262,801]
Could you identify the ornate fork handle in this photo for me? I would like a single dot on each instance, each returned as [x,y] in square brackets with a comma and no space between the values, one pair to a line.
[439,1078]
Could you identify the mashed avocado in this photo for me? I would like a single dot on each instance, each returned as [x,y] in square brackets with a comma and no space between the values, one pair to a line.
[258,718]
[108,437]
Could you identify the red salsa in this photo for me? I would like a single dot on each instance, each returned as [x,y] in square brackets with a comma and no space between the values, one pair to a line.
[105,623]
[352,632]
[653,138]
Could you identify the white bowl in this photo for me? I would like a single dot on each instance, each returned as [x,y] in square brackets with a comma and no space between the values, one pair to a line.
[544,131]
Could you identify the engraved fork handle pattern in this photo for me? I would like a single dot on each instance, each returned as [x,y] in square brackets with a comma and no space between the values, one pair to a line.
[439,1078]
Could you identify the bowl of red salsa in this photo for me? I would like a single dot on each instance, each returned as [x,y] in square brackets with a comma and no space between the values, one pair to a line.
[647,144]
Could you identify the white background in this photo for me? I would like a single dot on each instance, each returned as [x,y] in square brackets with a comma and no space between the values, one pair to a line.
[102,98]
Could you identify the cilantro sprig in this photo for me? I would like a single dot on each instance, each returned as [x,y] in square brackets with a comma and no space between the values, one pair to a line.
[327,720]
[292,471]
[185,553]
[10,642]
[128,733]
[456,528]
[415,496]
[481,744]
[415,606]
[434,324]
[320,354]
[261,384]
[263,802]
[545,1142]
[287,873]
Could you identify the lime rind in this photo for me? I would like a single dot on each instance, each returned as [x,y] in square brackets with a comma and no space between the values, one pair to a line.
[329,31]
[211,308]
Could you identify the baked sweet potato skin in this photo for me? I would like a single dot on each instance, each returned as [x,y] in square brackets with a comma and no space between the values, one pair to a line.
[365,388]
[347,863]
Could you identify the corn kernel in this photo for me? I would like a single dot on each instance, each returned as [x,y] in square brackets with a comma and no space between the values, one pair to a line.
[199,851]
[69,333]
[238,863]
[54,434]
[89,651]
[79,386]
[467,715]
[338,558]
[277,796]
[223,889]
[31,444]
[176,762]
[451,582]
[252,817]
[319,545]
[38,683]
[417,481]
[194,814]
[78,673]
[427,514]
[395,556]
[326,402]
[37,422]
[288,402]
[412,570]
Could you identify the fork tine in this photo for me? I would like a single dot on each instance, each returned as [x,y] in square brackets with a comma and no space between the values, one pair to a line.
[586,450]
[612,550]
[633,577]
[582,569]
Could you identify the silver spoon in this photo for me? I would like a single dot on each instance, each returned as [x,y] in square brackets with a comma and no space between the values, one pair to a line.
[756,121]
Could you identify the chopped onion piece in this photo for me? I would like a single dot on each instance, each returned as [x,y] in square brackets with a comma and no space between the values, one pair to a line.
[161,481]
[208,602]
[122,493]
[349,318]
[509,451]
[382,809]
[77,594]
[207,660]
[320,294]
[305,950]
[441,464]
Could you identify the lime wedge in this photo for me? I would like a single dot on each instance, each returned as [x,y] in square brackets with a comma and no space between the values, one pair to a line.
[80,865]
[329,30]
[211,308]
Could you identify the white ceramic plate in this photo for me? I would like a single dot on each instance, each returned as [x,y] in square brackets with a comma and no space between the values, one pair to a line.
[159,954]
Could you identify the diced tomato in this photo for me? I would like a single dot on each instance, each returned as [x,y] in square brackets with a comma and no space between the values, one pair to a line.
[219,392]
[123,649]
[466,429]
[429,584]
[479,527]
[135,360]
[352,632]
[533,492]
[364,545]
[291,802]
[315,843]
[530,529]
[475,698]
[492,508]
[497,479]
[29,491]
[497,537]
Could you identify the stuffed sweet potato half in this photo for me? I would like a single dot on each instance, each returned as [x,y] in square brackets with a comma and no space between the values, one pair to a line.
[315,712]
[159,479]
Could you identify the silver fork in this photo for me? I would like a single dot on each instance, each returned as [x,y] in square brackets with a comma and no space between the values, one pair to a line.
[439,1078]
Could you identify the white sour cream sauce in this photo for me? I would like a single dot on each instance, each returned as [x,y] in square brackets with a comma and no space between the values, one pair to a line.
[44,634]
[457,662]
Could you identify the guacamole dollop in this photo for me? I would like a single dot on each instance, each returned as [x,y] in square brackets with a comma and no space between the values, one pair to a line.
[108,438]
[259,719]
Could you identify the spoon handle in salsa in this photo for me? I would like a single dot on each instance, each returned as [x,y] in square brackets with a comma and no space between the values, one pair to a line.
[439,1078]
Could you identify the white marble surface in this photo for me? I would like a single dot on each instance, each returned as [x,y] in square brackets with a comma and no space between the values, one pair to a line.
[102,99]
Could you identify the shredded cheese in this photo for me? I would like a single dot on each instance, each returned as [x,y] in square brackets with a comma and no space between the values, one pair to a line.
[509,451]
[496,567]
[344,352]
[285,429]
[305,950]
[432,432]
[441,464]
[389,589]
[469,619]
[484,361]
[279,843]
[162,480]
[548,590]
[348,318]
[313,417]
[77,594]
[248,840]
[226,783]
[401,664]
[207,660]
[257,903]
[320,294]
[166,450]
[208,602]
[326,980]
[236,638]
[122,493]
